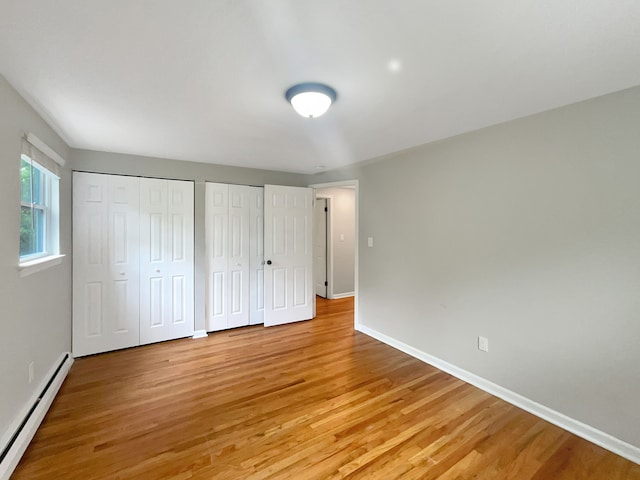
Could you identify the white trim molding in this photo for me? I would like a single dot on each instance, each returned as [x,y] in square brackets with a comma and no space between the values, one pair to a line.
[39,264]
[600,438]
[44,148]
[35,419]
[200,334]
[342,295]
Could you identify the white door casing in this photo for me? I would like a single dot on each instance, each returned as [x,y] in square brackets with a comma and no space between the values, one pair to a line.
[288,246]
[105,263]
[166,260]
[320,246]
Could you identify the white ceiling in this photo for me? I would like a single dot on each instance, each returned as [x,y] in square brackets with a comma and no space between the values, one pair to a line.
[204,80]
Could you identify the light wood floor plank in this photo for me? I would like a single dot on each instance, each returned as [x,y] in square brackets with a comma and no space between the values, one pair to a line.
[307,401]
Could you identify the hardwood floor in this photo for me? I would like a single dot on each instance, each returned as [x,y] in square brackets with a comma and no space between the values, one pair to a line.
[312,400]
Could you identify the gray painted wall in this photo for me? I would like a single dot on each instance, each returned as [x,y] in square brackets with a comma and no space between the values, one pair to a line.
[122,164]
[527,233]
[36,310]
[343,222]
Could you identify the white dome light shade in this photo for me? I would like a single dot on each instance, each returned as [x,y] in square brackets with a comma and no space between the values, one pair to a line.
[311,99]
[311,104]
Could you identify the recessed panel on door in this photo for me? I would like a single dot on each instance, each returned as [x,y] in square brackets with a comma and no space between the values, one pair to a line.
[179,299]
[93,309]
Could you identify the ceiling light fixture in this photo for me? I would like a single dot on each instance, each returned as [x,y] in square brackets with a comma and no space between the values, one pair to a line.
[310,99]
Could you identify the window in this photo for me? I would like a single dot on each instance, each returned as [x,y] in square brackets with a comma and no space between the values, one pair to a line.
[39,204]
[37,185]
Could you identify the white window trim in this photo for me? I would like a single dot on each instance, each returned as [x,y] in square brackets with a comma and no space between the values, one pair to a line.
[44,148]
[39,264]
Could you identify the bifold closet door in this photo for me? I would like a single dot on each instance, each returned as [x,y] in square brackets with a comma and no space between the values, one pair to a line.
[217,247]
[166,260]
[233,256]
[105,263]
[238,260]
[256,260]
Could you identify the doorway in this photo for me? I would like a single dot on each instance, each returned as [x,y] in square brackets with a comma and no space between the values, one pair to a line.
[320,245]
[339,257]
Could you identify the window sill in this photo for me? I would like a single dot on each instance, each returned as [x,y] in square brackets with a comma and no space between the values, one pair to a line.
[39,264]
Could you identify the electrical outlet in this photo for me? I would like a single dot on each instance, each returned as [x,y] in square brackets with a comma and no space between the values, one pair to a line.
[370,241]
[31,372]
[483,344]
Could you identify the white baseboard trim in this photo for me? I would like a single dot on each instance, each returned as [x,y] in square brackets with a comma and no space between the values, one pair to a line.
[336,296]
[603,439]
[21,443]
[200,334]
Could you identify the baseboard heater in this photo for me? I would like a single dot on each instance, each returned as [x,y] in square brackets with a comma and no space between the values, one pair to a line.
[4,469]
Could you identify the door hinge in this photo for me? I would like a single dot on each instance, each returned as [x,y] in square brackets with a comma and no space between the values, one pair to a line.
[326,209]
[326,284]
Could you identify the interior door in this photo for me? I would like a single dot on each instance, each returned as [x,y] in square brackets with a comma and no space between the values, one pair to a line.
[288,245]
[105,263]
[320,246]
[166,260]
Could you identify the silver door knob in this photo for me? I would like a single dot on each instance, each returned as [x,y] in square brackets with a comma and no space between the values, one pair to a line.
[157,270]
[121,273]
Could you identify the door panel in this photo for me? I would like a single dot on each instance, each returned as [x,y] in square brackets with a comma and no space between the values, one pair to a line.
[320,246]
[166,260]
[217,240]
[288,216]
[238,261]
[180,286]
[105,269]
[230,255]
[256,260]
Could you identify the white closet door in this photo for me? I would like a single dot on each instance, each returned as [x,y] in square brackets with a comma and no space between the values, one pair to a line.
[166,260]
[288,246]
[238,261]
[256,262]
[217,241]
[105,263]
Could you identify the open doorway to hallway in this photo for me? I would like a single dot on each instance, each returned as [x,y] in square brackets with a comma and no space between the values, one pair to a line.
[336,240]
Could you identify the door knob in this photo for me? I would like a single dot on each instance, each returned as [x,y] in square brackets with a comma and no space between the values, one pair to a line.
[158,270]
[268,262]
[121,273]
